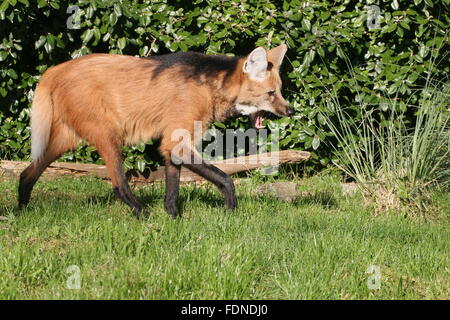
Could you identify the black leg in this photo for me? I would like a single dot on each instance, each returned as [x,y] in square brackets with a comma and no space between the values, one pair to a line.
[110,152]
[30,176]
[124,193]
[172,187]
[219,178]
[26,184]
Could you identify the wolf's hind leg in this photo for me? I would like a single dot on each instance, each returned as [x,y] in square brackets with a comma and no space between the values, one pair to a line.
[110,152]
[60,141]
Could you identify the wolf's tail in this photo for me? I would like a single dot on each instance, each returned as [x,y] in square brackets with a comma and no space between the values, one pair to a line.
[41,121]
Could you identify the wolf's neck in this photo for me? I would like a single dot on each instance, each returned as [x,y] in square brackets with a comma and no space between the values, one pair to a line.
[225,92]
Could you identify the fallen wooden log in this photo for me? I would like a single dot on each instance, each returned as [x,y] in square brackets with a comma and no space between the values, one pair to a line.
[229,166]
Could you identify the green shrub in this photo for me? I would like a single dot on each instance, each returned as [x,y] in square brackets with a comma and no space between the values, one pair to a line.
[388,61]
[393,162]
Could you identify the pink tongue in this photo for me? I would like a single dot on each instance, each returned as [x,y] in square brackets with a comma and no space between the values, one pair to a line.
[257,121]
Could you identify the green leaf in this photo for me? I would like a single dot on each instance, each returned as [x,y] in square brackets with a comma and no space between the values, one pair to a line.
[113,19]
[340,53]
[219,125]
[306,24]
[117,10]
[315,142]
[121,43]
[324,161]
[39,43]
[140,165]
[394,4]
[87,35]
[4,6]
[42,3]
[54,4]
[321,119]
[3,55]
[12,73]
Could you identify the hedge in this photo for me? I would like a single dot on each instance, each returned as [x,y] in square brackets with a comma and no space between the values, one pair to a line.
[390,54]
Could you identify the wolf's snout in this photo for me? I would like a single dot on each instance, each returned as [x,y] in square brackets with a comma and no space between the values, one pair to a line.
[289,111]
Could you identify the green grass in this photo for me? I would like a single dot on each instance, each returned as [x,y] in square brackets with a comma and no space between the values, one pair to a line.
[390,158]
[318,247]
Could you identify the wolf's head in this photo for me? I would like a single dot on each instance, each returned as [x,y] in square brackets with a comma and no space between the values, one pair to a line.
[261,86]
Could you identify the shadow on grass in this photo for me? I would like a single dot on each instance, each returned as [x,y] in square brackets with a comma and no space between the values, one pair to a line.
[206,196]
[155,197]
[325,199]
[105,199]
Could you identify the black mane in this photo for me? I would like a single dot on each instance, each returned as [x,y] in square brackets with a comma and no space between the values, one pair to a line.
[194,64]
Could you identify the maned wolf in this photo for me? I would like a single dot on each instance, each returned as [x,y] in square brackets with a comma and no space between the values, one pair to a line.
[114,100]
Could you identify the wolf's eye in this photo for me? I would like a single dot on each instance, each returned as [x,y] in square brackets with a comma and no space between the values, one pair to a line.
[271,92]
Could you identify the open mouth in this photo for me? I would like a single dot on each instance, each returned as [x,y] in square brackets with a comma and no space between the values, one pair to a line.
[257,119]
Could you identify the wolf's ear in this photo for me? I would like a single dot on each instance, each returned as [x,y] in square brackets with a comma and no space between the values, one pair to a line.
[256,64]
[276,55]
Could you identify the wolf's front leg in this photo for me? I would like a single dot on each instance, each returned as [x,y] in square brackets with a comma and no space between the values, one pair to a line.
[183,153]
[218,177]
[172,187]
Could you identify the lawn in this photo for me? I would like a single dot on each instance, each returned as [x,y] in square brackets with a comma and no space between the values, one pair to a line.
[317,247]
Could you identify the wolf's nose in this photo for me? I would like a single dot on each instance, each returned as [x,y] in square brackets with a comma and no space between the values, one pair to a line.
[289,111]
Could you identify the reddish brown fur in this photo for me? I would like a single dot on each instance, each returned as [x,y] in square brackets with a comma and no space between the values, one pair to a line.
[113,100]
[113,95]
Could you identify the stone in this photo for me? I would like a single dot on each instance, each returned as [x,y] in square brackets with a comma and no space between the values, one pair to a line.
[282,190]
